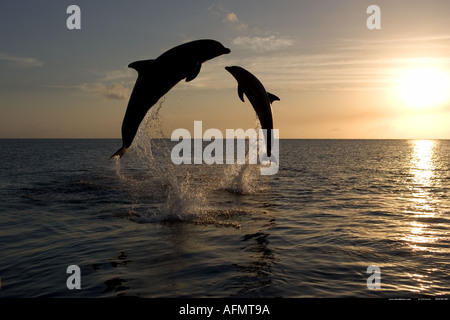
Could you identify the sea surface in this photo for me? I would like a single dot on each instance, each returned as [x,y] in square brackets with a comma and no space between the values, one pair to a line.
[144,227]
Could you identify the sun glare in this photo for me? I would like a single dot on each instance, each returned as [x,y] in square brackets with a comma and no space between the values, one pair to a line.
[423,87]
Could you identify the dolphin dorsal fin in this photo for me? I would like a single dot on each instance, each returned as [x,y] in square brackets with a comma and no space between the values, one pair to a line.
[141,65]
[241,93]
[272,97]
[194,73]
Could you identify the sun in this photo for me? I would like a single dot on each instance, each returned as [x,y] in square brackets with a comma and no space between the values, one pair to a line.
[423,87]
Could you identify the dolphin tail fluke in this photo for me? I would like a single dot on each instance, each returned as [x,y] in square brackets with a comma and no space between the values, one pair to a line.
[120,152]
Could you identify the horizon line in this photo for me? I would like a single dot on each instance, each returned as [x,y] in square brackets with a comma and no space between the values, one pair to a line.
[156,138]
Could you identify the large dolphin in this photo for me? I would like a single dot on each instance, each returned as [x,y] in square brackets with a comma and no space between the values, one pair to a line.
[260,99]
[156,77]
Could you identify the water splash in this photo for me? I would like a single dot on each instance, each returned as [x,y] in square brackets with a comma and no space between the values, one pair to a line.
[245,178]
[164,192]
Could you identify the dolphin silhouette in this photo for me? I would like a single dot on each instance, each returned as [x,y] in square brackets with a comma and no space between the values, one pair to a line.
[260,99]
[156,77]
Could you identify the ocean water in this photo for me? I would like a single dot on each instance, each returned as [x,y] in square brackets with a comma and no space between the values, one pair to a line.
[144,227]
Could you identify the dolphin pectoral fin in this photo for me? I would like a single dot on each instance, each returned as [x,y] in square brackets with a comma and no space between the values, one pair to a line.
[272,97]
[241,93]
[192,75]
[141,65]
[120,152]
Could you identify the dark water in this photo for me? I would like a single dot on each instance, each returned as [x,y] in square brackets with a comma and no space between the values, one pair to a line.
[144,227]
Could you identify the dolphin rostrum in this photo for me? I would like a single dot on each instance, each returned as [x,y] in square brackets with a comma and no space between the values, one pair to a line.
[260,99]
[156,77]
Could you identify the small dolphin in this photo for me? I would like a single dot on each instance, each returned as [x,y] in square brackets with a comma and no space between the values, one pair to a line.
[260,99]
[156,77]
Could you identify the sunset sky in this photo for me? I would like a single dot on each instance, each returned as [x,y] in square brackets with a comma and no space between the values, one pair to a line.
[334,76]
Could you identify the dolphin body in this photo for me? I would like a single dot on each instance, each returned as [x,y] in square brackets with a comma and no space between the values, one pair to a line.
[260,99]
[156,77]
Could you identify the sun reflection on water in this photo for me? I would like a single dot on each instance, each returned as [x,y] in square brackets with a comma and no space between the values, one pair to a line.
[423,203]
[421,234]
[422,164]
